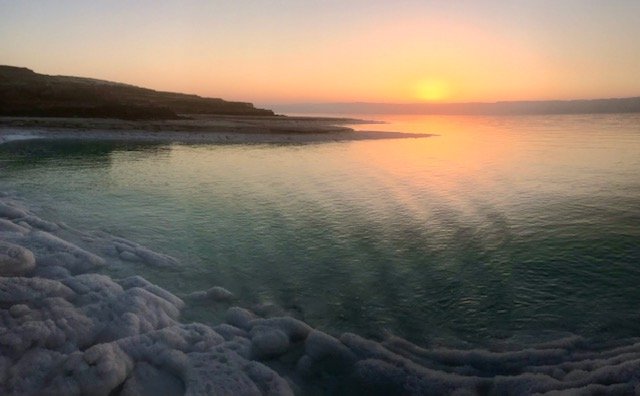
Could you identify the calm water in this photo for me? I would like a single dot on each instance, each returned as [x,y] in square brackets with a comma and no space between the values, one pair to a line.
[499,226]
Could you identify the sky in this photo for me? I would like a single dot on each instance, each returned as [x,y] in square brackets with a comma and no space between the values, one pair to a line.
[336,51]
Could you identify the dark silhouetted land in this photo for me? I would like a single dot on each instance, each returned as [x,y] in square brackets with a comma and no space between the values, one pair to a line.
[35,105]
[26,93]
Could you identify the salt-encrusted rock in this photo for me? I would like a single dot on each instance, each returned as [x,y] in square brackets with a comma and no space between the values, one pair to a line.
[325,355]
[51,272]
[268,310]
[5,365]
[155,259]
[18,310]
[138,281]
[129,256]
[24,224]
[147,380]
[8,226]
[295,329]
[267,380]
[216,293]
[40,224]
[11,212]
[27,375]
[134,281]
[132,312]
[230,332]
[123,247]
[51,322]
[321,346]
[203,361]
[218,374]
[121,241]
[60,259]
[268,342]
[96,371]
[18,289]
[15,260]
[240,317]
[241,346]
[376,377]
[77,260]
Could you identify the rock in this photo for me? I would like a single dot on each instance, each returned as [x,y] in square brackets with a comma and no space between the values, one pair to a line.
[156,259]
[267,342]
[40,224]
[230,332]
[219,374]
[11,212]
[325,355]
[52,272]
[15,260]
[121,247]
[216,293]
[269,382]
[76,260]
[55,260]
[268,310]
[376,377]
[321,346]
[240,317]
[18,310]
[19,289]
[148,380]
[37,362]
[295,329]
[138,281]
[97,371]
[129,256]
[8,226]
[134,281]
[24,224]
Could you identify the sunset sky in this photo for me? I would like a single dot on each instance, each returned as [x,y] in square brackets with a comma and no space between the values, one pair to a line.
[319,51]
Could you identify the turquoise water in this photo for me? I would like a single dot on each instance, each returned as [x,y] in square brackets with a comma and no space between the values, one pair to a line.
[498,226]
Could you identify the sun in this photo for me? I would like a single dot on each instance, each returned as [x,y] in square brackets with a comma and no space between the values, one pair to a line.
[432,90]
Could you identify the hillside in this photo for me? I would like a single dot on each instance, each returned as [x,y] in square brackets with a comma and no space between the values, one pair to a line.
[26,93]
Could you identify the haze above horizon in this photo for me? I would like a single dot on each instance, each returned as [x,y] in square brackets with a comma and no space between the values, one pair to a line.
[336,51]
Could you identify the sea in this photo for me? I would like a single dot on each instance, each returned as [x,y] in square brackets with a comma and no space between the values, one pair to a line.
[494,228]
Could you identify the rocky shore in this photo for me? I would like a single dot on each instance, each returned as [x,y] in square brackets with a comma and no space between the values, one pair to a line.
[67,328]
[197,129]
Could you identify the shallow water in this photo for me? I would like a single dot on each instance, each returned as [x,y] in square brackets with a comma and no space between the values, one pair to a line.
[499,226]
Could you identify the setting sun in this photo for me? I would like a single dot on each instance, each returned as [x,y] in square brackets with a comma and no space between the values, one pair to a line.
[432,90]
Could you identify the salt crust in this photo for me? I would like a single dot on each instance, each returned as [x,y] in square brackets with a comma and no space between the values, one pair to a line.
[67,330]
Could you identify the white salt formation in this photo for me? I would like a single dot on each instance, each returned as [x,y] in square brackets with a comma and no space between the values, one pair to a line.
[67,330]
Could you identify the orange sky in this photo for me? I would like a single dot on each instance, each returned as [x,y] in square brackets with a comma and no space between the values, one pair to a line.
[310,51]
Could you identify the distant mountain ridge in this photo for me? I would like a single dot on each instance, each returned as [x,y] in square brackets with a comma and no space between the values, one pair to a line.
[26,93]
[589,106]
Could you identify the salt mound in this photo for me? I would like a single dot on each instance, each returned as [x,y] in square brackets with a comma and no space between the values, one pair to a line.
[215,294]
[15,260]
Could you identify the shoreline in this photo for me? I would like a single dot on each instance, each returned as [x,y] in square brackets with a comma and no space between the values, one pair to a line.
[67,328]
[202,129]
